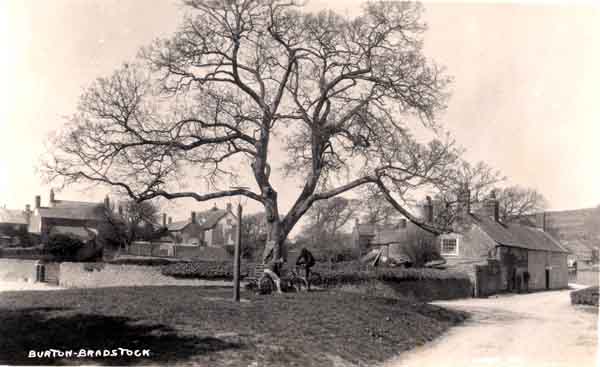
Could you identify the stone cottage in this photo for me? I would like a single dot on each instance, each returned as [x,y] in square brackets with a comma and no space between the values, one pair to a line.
[497,255]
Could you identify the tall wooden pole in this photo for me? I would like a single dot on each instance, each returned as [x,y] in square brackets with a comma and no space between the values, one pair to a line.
[236,256]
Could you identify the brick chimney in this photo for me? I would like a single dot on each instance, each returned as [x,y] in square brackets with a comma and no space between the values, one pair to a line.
[490,207]
[540,221]
[38,201]
[193,217]
[28,213]
[463,202]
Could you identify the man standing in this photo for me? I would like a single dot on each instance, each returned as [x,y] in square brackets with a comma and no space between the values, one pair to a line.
[307,260]
[526,276]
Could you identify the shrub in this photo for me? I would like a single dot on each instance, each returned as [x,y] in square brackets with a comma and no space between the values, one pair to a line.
[63,245]
[586,296]
[203,270]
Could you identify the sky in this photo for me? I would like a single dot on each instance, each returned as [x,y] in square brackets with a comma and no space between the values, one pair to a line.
[524,96]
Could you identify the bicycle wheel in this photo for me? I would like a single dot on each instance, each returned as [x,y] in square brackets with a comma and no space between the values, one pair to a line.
[266,285]
[299,284]
[315,279]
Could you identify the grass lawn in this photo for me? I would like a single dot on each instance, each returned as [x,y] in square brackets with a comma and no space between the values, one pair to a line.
[203,327]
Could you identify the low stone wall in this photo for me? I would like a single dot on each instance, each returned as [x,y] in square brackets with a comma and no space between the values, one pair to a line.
[588,277]
[178,251]
[421,290]
[96,275]
[18,270]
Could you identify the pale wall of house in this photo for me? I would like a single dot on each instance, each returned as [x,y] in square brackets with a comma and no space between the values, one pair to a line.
[192,234]
[223,233]
[538,261]
[473,244]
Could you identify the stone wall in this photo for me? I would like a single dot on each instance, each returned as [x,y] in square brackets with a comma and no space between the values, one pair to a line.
[181,251]
[18,270]
[97,275]
[588,277]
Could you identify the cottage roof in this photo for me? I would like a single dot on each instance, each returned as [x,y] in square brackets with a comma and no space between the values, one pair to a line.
[73,210]
[385,236]
[12,216]
[207,220]
[516,235]
[366,229]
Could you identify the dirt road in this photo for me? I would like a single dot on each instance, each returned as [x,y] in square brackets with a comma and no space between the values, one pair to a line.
[539,329]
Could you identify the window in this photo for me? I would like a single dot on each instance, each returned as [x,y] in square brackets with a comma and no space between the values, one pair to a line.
[449,247]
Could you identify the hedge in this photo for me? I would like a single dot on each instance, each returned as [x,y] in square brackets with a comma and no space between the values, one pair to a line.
[586,296]
[331,276]
[348,272]
[203,270]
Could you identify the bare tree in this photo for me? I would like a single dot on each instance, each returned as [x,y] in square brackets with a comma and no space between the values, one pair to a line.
[375,208]
[517,202]
[467,182]
[327,218]
[128,222]
[339,93]
[254,233]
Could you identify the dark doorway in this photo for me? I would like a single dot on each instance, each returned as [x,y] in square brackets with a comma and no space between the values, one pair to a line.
[547,278]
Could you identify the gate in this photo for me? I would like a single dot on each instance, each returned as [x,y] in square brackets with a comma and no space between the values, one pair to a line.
[488,279]
[52,273]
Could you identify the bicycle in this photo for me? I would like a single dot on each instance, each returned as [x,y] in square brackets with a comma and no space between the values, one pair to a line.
[292,282]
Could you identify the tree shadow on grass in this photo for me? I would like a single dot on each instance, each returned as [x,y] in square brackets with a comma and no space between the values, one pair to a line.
[41,329]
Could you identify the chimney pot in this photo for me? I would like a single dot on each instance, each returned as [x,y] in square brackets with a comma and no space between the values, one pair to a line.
[229,207]
[107,202]
[170,220]
[51,197]
[164,219]
[193,217]
[38,201]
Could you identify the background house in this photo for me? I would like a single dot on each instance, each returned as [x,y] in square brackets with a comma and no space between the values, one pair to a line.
[13,226]
[212,228]
[577,230]
[78,219]
[390,239]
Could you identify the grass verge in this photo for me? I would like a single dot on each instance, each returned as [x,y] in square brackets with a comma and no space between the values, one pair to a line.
[197,326]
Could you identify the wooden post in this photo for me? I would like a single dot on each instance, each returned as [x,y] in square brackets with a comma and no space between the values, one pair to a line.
[236,256]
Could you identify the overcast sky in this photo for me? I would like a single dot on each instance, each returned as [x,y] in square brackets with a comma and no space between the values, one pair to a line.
[525,95]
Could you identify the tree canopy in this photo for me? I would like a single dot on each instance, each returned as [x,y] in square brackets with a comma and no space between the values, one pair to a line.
[338,95]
